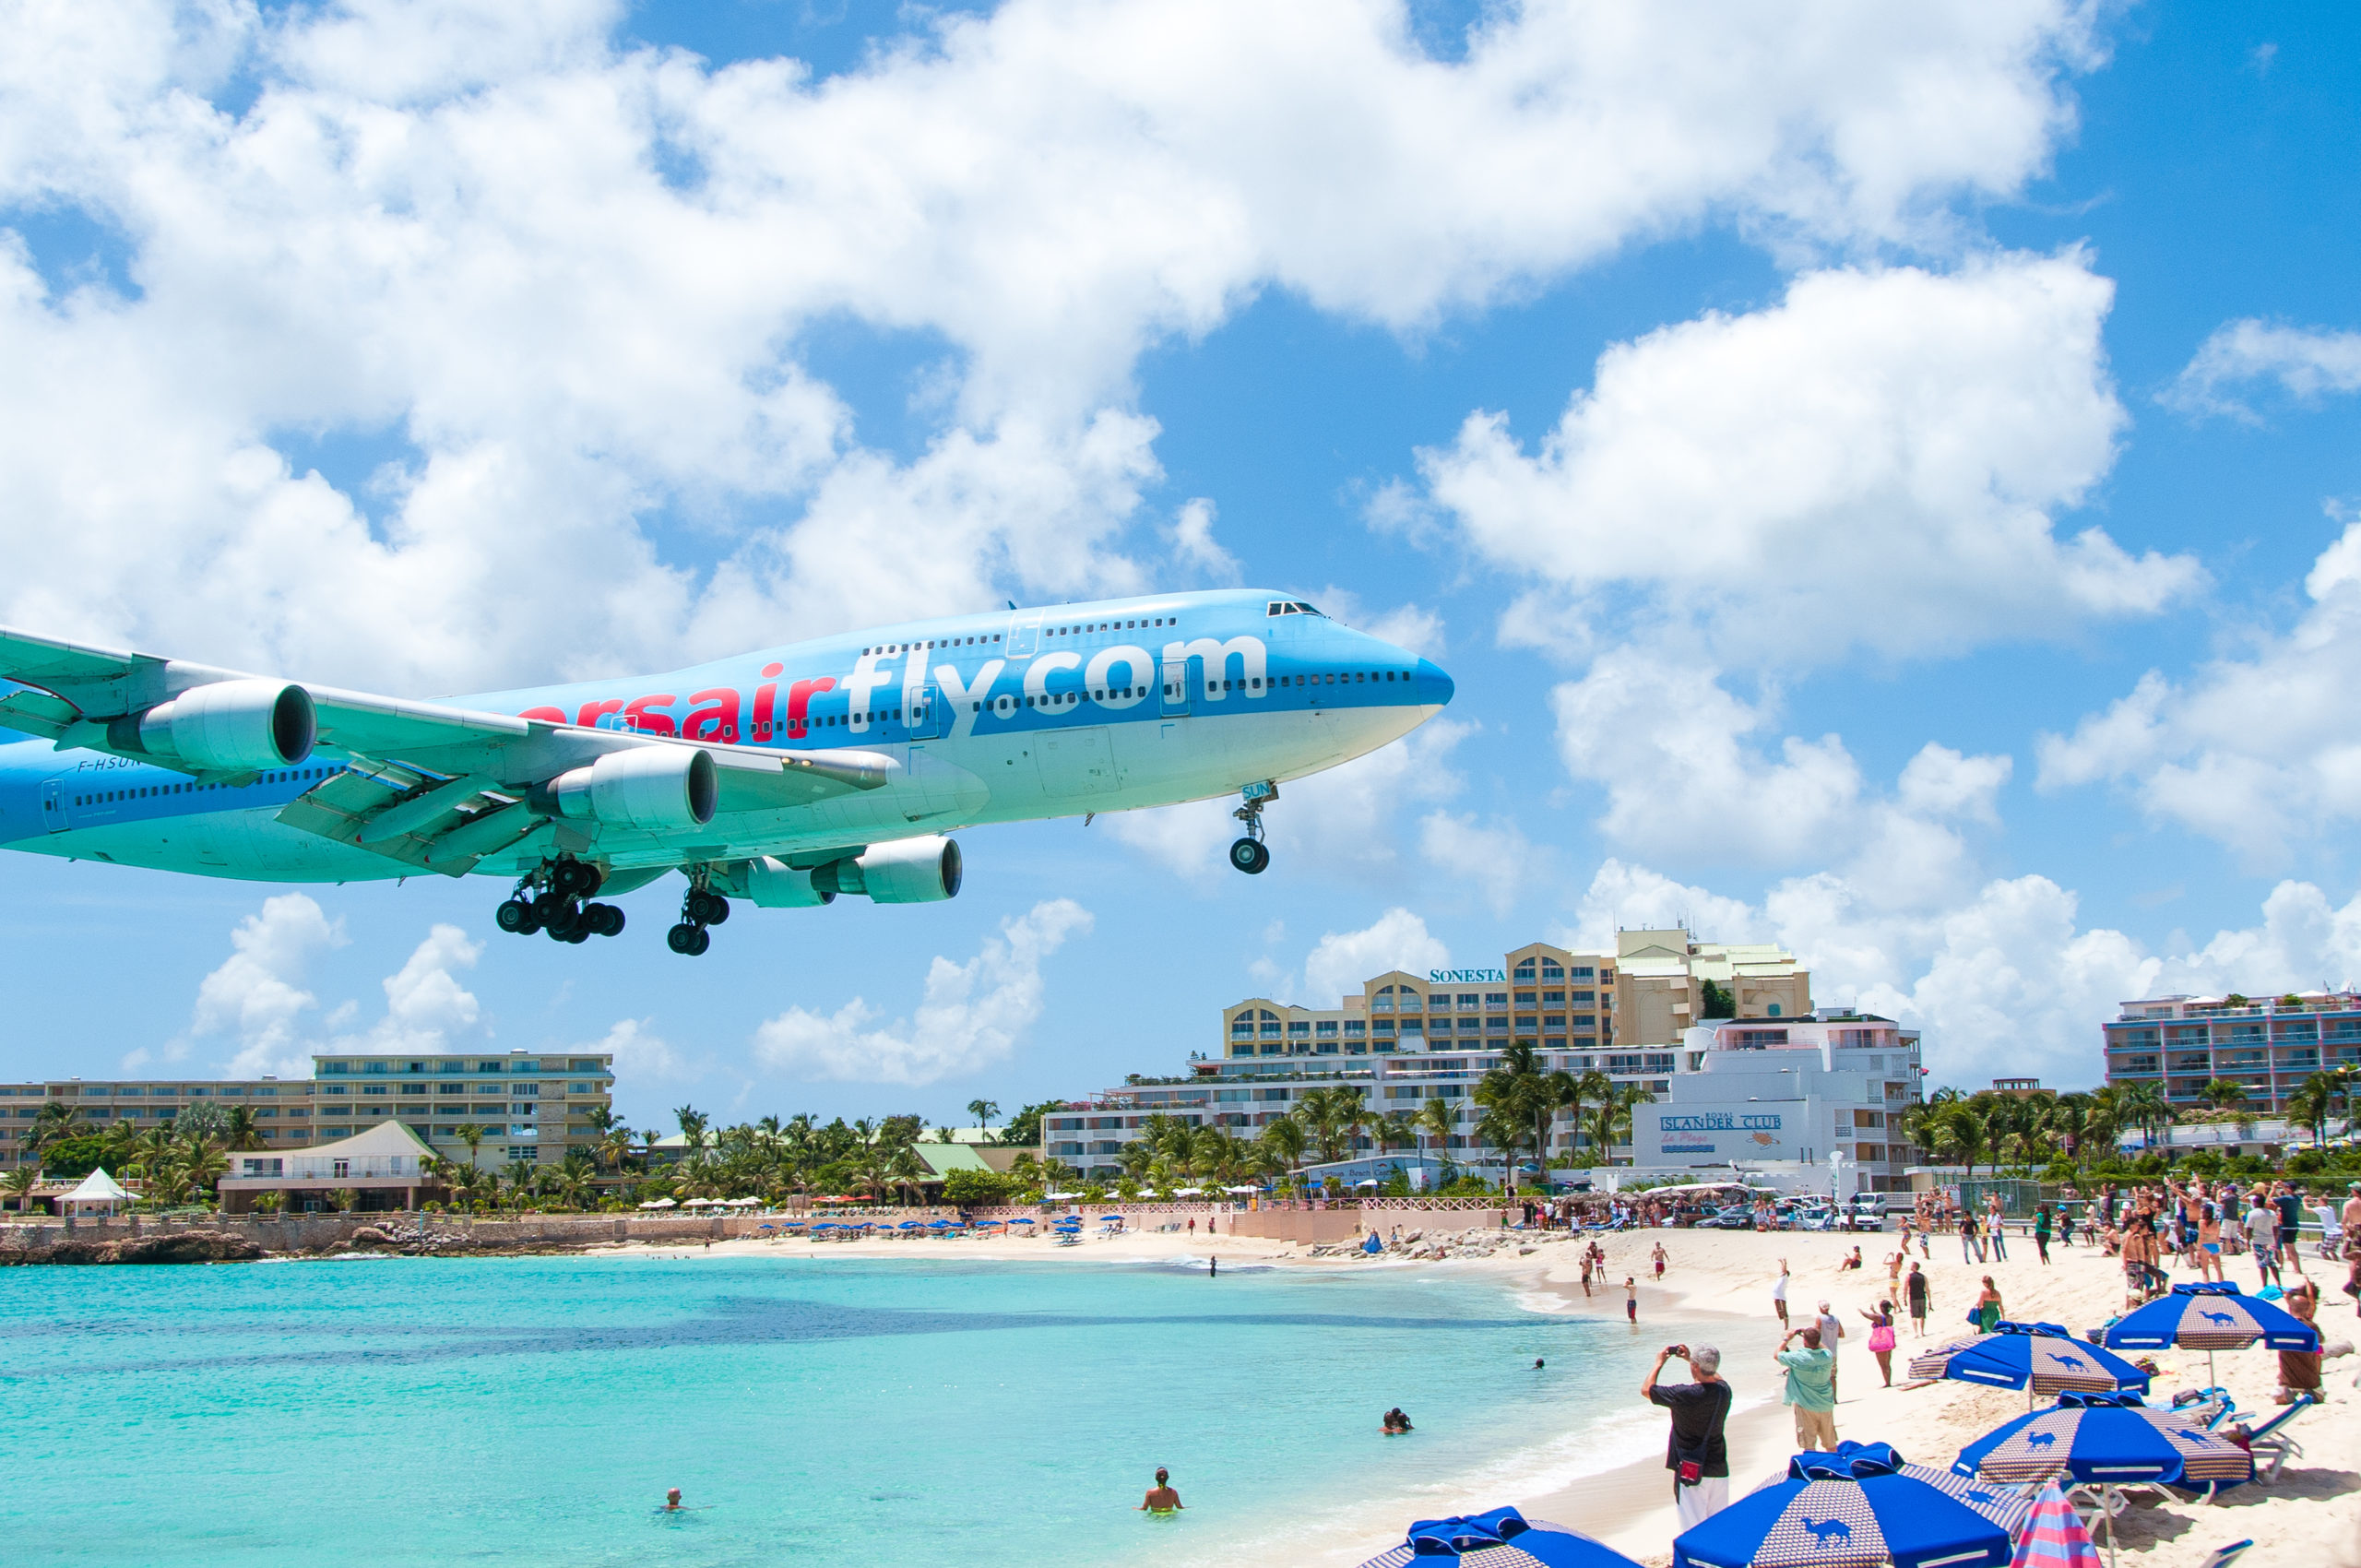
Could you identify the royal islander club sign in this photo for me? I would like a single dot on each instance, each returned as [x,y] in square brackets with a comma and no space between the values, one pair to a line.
[1755,1135]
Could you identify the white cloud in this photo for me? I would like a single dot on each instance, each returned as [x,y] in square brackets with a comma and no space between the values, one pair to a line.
[972,1014]
[2306,362]
[1340,961]
[425,1003]
[563,282]
[1495,855]
[1193,545]
[1683,778]
[1405,625]
[1877,462]
[641,1055]
[1342,822]
[257,996]
[2254,751]
[2002,981]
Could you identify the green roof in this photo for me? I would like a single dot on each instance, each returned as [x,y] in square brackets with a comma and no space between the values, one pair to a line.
[943,1159]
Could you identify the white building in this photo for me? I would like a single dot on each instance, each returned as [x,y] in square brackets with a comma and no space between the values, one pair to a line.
[1755,1093]
[387,1166]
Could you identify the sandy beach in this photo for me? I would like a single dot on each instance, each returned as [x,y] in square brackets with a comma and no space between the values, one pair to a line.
[1717,1290]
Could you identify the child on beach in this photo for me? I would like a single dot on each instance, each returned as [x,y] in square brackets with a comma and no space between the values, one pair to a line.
[1632,1300]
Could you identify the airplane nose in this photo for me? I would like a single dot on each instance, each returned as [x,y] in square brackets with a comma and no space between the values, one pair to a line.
[1434,688]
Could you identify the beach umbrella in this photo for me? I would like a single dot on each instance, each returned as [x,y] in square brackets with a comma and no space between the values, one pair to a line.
[2054,1535]
[1853,1508]
[2106,1441]
[2041,1358]
[1501,1538]
[2211,1317]
[659,1203]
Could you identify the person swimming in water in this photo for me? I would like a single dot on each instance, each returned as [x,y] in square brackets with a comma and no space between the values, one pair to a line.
[672,1501]
[1395,1423]
[1161,1498]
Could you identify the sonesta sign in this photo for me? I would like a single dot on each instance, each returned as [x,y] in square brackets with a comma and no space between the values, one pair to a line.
[1465,977]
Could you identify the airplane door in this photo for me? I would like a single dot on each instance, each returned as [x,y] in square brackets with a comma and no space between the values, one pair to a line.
[931,716]
[1023,629]
[53,805]
[1176,688]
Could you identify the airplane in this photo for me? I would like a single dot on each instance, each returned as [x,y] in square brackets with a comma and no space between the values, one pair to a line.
[783,777]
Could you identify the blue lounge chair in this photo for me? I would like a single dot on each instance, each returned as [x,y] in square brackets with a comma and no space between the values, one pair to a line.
[2225,1555]
[2271,1446]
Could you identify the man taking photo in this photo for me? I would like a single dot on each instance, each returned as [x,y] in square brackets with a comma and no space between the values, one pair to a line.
[1696,1454]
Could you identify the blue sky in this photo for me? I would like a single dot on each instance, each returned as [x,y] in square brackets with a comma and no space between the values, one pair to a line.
[1881,481]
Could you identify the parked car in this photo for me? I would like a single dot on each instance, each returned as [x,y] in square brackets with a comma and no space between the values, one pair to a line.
[1737,1216]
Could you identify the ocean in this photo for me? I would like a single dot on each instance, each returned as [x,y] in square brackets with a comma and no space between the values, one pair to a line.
[811,1408]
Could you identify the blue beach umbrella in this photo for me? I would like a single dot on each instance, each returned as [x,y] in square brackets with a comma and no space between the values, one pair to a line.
[1501,1538]
[1854,1508]
[2106,1439]
[2212,1317]
[2040,1357]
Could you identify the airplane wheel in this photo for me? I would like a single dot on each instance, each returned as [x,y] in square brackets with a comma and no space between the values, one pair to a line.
[572,879]
[683,938]
[515,916]
[610,921]
[1249,856]
[705,940]
[579,935]
[551,909]
[564,928]
[709,908]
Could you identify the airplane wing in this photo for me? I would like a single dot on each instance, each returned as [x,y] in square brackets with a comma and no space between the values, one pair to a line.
[430,784]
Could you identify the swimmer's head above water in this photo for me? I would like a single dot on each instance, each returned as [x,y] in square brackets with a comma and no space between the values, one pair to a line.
[672,1498]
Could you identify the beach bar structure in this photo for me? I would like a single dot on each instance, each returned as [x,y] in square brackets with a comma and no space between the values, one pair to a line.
[385,1167]
[99,1193]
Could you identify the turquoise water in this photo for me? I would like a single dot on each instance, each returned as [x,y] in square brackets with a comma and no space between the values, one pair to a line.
[533,1410]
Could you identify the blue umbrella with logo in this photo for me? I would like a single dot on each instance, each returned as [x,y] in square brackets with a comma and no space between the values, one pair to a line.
[2106,1441]
[2041,1358]
[1501,1538]
[2210,1317]
[1857,1508]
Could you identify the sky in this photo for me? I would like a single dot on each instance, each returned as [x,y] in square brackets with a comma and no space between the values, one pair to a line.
[1883,481]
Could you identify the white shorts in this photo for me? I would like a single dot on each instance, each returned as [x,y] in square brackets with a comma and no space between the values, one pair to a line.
[1702,1502]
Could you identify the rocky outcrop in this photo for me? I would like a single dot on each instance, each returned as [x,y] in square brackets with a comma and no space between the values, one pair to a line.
[179,1246]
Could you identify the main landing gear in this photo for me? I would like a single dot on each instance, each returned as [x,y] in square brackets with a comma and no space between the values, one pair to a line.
[550,899]
[1249,854]
[701,908]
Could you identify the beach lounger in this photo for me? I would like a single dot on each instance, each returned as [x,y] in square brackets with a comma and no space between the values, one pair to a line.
[2270,1442]
[2225,1555]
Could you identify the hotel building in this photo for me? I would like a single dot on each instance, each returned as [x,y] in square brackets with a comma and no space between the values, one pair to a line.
[2181,1043]
[1406,1038]
[527,1105]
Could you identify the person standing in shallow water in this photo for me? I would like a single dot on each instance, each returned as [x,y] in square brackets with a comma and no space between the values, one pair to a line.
[1161,1498]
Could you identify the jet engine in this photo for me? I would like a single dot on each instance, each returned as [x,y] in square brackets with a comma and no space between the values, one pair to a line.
[226,726]
[912,871]
[771,884]
[657,786]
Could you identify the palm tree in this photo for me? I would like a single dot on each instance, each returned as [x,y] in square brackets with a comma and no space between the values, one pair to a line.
[613,1146]
[2224,1094]
[20,1184]
[53,1122]
[119,1144]
[1283,1136]
[2142,1104]
[1965,1132]
[693,1130]
[1583,1089]
[1439,1118]
[241,1131]
[204,1164]
[983,1110]
[471,1136]
[2311,1102]
[1612,1118]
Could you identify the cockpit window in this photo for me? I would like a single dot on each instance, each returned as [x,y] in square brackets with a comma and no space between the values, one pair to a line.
[1302,608]
[1290,607]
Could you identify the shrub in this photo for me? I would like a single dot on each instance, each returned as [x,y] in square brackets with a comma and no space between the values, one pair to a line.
[977,1187]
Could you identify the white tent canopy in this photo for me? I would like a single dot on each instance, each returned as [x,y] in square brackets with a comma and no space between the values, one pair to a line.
[97,1191]
[660,1202]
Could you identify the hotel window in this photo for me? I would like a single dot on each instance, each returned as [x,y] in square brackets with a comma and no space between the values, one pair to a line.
[373,1066]
[1555,1043]
[1552,969]
[1243,1025]
[450,1110]
[1323,1027]
[1496,1026]
[1471,1025]
[1496,999]
[1411,1001]
[1300,1029]
[528,1152]
[582,1088]
[1470,1000]
[1354,1027]
[336,1088]
[1524,999]
[1524,970]
[1582,971]
[373,1088]
[1527,1022]
[1553,1020]
[1383,1001]
[1382,1025]
[413,1088]
[491,1067]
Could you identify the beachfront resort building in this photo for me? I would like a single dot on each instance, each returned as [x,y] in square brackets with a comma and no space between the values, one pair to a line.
[384,1167]
[1407,1039]
[1796,1092]
[521,1105]
[1645,993]
[2182,1043]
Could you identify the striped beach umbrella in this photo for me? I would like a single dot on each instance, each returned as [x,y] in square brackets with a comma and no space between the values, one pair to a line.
[1852,1508]
[2054,1535]
[2106,1439]
[1501,1538]
[2211,1317]
[2039,1357]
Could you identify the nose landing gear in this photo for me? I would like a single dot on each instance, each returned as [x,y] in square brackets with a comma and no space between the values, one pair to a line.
[549,899]
[701,908]
[1249,854]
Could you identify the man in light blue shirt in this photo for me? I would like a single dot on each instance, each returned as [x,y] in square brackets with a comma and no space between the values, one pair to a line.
[1812,1388]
